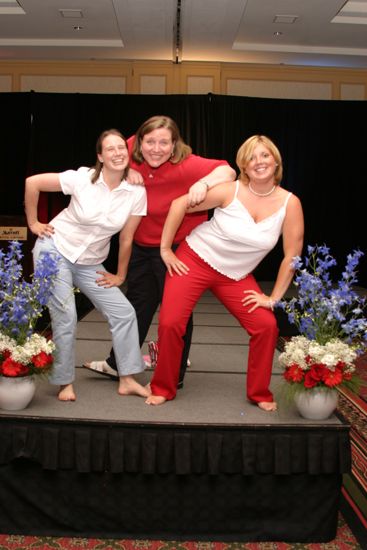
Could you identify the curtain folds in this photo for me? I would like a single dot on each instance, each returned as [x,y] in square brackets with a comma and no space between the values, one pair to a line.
[181,451]
[50,132]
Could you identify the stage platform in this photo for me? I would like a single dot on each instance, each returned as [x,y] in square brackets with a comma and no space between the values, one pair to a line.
[208,465]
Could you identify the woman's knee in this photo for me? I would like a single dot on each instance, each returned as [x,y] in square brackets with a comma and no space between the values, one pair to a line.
[265,324]
[270,325]
[121,310]
[66,317]
[171,322]
[122,316]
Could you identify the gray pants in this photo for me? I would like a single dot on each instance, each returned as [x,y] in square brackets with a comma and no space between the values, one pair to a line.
[111,302]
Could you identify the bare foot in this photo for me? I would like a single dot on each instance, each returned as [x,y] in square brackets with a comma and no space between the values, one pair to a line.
[66,393]
[129,386]
[148,388]
[155,400]
[268,406]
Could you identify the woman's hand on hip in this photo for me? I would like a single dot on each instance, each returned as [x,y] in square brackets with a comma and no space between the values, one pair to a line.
[254,299]
[42,229]
[173,264]
[108,280]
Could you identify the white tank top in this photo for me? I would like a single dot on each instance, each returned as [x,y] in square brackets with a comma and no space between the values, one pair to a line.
[232,243]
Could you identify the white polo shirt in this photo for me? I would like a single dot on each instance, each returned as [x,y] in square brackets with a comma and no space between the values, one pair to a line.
[83,230]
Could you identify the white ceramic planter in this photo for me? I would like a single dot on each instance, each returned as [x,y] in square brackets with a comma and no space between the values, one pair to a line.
[316,404]
[16,393]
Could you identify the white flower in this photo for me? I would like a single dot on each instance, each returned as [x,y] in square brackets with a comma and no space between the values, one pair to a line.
[303,352]
[295,351]
[32,346]
[6,342]
[328,359]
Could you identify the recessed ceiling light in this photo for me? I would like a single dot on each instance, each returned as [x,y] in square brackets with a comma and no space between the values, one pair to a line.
[78,28]
[277,33]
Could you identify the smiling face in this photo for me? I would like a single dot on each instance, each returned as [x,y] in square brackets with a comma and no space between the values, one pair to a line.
[256,157]
[157,147]
[262,165]
[114,154]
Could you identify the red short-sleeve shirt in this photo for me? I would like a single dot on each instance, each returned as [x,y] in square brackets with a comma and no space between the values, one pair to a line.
[165,183]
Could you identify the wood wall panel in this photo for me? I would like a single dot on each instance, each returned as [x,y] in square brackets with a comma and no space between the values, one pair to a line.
[5,83]
[71,84]
[279,89]
[165,77]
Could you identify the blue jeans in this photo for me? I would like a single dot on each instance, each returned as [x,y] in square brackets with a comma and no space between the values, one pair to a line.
[111,302]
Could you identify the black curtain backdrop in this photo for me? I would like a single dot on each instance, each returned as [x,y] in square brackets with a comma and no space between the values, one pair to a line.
[15,140]
[321,142]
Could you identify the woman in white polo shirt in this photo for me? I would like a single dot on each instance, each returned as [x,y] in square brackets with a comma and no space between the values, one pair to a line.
[102,203]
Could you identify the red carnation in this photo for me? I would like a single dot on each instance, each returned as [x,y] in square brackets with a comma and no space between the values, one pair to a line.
[293,373]
[317,371]
[5,353]
[13,368]
[42,359]
[345,375]
[333,377]
[310,381]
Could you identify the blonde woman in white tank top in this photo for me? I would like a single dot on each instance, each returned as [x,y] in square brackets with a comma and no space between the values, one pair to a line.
[220,255]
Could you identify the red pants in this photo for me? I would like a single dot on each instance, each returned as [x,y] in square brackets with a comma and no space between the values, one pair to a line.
[181,293]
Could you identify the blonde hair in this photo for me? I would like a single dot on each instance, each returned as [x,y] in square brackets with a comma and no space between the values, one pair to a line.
[180,149]
[246,151]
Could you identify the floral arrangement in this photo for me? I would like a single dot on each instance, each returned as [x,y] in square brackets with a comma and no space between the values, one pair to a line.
[331,322]
[33,357]
[23,352]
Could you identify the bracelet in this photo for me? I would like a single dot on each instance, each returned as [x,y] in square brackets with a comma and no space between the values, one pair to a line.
[205,183]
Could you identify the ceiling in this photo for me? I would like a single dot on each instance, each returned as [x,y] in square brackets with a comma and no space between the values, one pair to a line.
[292,32]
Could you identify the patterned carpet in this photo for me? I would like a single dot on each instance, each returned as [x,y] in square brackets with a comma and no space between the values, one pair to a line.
[354,409]
[345,540]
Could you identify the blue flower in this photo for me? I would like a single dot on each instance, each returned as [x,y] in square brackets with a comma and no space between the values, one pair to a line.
[23,302]
[324,310]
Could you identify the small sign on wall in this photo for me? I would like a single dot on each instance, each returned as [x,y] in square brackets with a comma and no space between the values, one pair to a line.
[13,233]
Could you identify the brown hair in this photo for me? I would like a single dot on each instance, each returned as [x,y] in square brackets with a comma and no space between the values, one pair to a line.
[180,149]
[99,165]
[245,153]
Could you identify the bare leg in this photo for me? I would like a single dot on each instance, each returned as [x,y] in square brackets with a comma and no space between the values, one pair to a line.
[155,400]
[66,393]
[129,386]
[268,406]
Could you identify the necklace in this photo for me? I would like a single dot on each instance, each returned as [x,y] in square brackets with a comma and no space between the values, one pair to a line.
[261,194]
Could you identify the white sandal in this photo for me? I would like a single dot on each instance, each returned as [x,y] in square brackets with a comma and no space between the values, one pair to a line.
[102,367]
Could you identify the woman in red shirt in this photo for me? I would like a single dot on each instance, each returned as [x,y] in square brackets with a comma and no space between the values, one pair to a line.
[168,168]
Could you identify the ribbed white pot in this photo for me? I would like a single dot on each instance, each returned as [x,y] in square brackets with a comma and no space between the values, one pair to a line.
[16,393]
[316,404]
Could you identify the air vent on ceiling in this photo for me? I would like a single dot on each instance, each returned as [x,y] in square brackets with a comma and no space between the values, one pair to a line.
[71,13]
[285,18]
